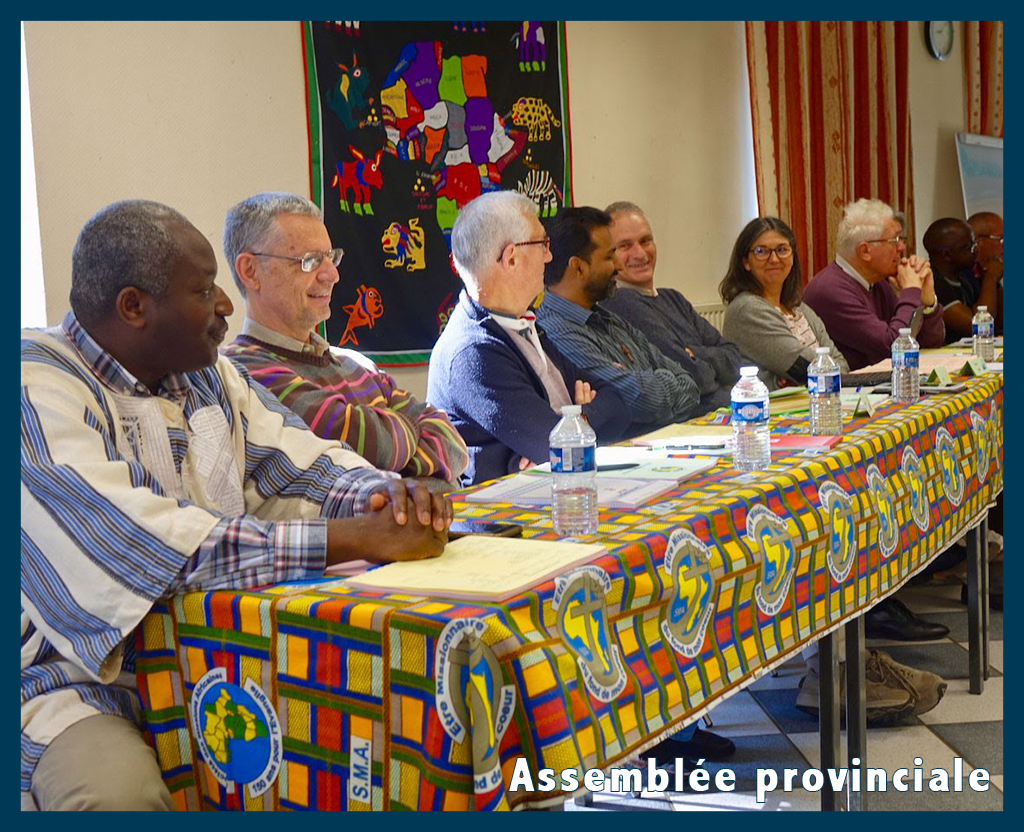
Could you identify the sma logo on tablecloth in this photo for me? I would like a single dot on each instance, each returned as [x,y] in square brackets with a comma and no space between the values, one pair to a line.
[688,563]
[885,505]
[579,602]
[470,698]
[237,732]
[913,471]
[982,444]
[778,558]
[949,464]
[842,530]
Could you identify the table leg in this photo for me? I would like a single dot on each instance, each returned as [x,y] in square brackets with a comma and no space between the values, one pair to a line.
[985,632]
[828,717]
[975,603]
[856,713]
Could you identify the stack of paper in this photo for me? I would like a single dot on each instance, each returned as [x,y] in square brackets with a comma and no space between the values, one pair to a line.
[479,567]
[534,491]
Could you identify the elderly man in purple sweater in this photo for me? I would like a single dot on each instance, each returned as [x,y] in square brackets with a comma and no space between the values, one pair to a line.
[872,288]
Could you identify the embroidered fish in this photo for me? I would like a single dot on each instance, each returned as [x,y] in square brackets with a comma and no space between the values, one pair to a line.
[364,312]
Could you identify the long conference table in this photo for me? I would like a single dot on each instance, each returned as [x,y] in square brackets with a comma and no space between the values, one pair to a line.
[315,696]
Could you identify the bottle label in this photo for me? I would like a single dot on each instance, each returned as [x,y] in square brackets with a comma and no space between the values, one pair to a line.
[823,384]
[572,460]
[909,359]
[750,411]
[984,329]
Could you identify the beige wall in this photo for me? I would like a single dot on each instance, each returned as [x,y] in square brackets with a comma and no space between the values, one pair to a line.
[937,113]
[200,115]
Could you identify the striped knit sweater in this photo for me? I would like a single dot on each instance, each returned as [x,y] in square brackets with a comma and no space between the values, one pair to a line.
[339,399]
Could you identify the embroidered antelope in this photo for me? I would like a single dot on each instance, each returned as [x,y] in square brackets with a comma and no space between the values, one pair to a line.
[358,176]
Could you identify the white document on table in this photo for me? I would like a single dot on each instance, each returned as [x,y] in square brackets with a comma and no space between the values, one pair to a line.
[482,567]
[534,490]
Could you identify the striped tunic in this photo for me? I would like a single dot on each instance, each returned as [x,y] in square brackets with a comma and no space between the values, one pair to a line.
[128,497]
[339,399]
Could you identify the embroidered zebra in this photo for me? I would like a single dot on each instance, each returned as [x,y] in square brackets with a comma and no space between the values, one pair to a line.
[541,188]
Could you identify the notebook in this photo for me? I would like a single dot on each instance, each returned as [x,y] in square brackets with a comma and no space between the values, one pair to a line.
[481,568]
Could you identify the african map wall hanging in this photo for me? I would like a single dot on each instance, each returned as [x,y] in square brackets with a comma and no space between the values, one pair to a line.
[407,123]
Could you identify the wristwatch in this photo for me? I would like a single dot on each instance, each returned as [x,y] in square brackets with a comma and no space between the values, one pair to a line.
[929,309]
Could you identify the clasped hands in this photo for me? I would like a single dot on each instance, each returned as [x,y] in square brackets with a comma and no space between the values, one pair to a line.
[915,273]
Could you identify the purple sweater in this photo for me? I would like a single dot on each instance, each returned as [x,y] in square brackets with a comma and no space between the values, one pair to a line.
[864,324]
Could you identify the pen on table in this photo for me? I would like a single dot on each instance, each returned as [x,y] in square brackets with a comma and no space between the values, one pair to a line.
[623,466]
[690,447]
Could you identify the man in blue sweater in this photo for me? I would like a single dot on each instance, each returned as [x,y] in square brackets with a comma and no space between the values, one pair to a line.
[666,317]
[493,370]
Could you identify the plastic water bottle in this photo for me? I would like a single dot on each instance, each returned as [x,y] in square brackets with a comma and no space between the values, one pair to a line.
[906,361]
[823,388]
[984,334]
[751,442]
[573,446]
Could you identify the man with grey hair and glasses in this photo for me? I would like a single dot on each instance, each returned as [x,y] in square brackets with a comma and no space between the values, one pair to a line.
[873,289]
[283,262]
[493,369]
[151,466]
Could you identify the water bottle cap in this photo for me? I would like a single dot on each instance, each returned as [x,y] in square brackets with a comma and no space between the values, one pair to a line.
[905,330]
[822,351]
[746,372]
[983,309]
[571,409]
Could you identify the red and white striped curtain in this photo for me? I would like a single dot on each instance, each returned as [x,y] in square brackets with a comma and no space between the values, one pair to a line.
[983,54]
[831,124]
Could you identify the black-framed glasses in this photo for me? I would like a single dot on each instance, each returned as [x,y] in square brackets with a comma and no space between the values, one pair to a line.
[309,261]
[543,241]
[763,253]
[962,247]
[893,241]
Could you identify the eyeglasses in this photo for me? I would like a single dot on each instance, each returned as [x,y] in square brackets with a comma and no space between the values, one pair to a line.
[543,241]
[962,247]
[991,237]
[763,254]
[893,241]
[309,261]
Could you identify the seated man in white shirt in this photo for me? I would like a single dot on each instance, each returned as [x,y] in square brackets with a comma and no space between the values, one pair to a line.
[151,466]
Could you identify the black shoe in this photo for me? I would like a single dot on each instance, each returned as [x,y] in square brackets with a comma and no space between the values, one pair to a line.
[995,599]
[703,745]
[891,619]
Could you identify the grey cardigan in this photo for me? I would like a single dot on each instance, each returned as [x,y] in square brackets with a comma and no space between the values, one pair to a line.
[763,336]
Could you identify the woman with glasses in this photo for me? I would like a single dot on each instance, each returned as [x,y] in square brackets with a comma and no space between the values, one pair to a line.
[764,316]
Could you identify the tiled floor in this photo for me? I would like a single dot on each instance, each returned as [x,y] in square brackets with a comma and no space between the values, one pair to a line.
[770,732]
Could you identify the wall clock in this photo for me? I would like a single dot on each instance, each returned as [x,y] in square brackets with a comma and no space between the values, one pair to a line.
[938,35]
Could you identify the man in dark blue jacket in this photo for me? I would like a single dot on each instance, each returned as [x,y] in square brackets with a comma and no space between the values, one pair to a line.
[500,380]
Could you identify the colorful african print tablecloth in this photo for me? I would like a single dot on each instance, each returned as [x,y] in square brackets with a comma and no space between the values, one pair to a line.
[310,696]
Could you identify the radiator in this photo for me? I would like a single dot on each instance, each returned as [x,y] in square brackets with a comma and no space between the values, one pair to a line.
[713,313]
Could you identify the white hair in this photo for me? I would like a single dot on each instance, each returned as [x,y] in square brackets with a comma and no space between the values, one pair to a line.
[484,227]
[862,220]
[249,223]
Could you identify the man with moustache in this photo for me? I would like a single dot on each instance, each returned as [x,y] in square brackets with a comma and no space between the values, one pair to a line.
[666,317]
[872,289]
[151,466]
[581,274]
[959,282]
[283,262]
